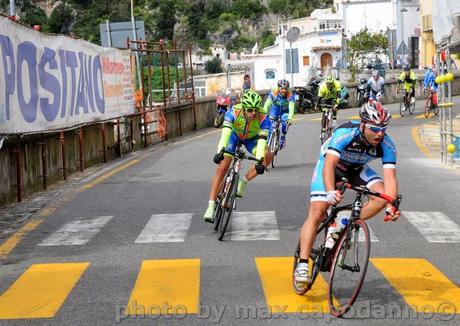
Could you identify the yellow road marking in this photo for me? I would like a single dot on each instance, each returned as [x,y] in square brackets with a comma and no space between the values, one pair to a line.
[166,287]
[315,119]
[421,284]
[420,116]
[354,117]
[108,175]
[276,276]
[40,291]
[16,238]
[419,142]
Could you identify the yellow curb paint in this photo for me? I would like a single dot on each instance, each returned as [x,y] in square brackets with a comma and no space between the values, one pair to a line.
[276,276]
[40,291]
[169,286]
[47,211]
[108,175]
[418,141]
[15,239]
[421,284]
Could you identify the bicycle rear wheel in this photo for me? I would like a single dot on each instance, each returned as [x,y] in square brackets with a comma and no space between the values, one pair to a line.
[228,206]
[349,268]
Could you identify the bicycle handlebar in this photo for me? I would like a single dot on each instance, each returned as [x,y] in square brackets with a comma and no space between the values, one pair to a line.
[395,202]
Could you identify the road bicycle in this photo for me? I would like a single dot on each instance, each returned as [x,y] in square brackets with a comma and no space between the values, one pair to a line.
[406,104]
[429,105]
[348,259]
[326,122]
[274,140]
[226,199]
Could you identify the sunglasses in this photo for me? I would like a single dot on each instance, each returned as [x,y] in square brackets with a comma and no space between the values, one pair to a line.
[375,129]
[251,110]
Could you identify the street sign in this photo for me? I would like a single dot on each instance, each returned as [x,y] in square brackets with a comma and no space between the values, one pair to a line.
[402,49]
[293,34]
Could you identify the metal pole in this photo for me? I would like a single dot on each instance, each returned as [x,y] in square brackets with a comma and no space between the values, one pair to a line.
[107,24]
[119,138]
[292,64]
[18,170]
[44,164]
[12,8]
[64,163]
[80,146]
[104,151]
[193,88]
[135,40]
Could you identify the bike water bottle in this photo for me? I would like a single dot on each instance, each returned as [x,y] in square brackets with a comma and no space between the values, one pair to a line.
[330,240]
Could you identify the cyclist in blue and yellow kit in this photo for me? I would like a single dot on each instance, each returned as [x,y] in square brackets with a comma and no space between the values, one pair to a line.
[243,122]
[280,104]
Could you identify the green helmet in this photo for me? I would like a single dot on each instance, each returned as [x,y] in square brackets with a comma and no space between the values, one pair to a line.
[251,99]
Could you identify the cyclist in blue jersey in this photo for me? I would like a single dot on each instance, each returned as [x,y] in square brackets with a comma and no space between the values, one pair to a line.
[280,104]
[346,154]
[429,80]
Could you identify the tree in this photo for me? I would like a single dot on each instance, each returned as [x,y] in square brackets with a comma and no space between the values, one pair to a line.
[248,9]
[213,66]
[61,19]
[366,41]
[267,39]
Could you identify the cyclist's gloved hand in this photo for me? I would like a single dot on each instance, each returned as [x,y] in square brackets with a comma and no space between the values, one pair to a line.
[333,197]
[218,157]
[391,214]
[260,169]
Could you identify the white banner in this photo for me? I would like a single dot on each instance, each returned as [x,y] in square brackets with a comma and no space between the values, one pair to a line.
[53,82]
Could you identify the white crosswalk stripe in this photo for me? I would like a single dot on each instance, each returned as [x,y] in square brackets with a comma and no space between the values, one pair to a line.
[435,226]
[165,228]
[76,233]
[371,233]
[248,226]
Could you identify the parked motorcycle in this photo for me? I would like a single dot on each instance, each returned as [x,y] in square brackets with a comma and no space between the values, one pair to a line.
[223,102]
[362,91]
[308,96]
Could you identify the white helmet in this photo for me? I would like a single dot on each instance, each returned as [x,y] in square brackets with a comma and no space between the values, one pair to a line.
[374,112]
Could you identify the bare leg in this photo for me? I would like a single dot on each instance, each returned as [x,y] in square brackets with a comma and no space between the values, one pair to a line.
[375,204]
[308,233]
[216,183]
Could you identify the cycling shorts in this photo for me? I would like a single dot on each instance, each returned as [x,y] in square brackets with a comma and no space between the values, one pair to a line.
[250,144]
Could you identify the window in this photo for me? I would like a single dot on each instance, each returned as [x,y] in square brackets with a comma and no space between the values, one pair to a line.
[306,60]
[322,24]
[269,74]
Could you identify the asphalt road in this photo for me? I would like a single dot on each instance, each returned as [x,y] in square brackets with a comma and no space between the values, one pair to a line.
[135,238]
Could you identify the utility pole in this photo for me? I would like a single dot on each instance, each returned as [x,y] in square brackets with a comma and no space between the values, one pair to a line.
[12,8]
[133,22]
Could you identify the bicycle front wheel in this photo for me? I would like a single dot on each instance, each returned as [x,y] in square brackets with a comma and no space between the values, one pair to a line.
[349,268]
[402,107]
[427,107]
[228,206]
[274,147]
[324,126]
[411,107]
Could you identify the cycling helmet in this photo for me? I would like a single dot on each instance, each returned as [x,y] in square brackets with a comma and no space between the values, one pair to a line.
[251,99]
[283,83]
[374,112]
[329,79]
[375,73]
[406,68]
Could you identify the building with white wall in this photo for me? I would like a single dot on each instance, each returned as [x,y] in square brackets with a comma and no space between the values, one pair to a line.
[317,48]
[399,17]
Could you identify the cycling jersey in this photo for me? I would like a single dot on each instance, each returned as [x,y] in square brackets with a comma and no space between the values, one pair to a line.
[429,81]
[354,153]
[278,104]
[236,127]
[409,81]
[325,93]
[376,85]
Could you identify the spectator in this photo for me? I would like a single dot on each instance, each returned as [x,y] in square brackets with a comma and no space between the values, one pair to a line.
[247,83]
